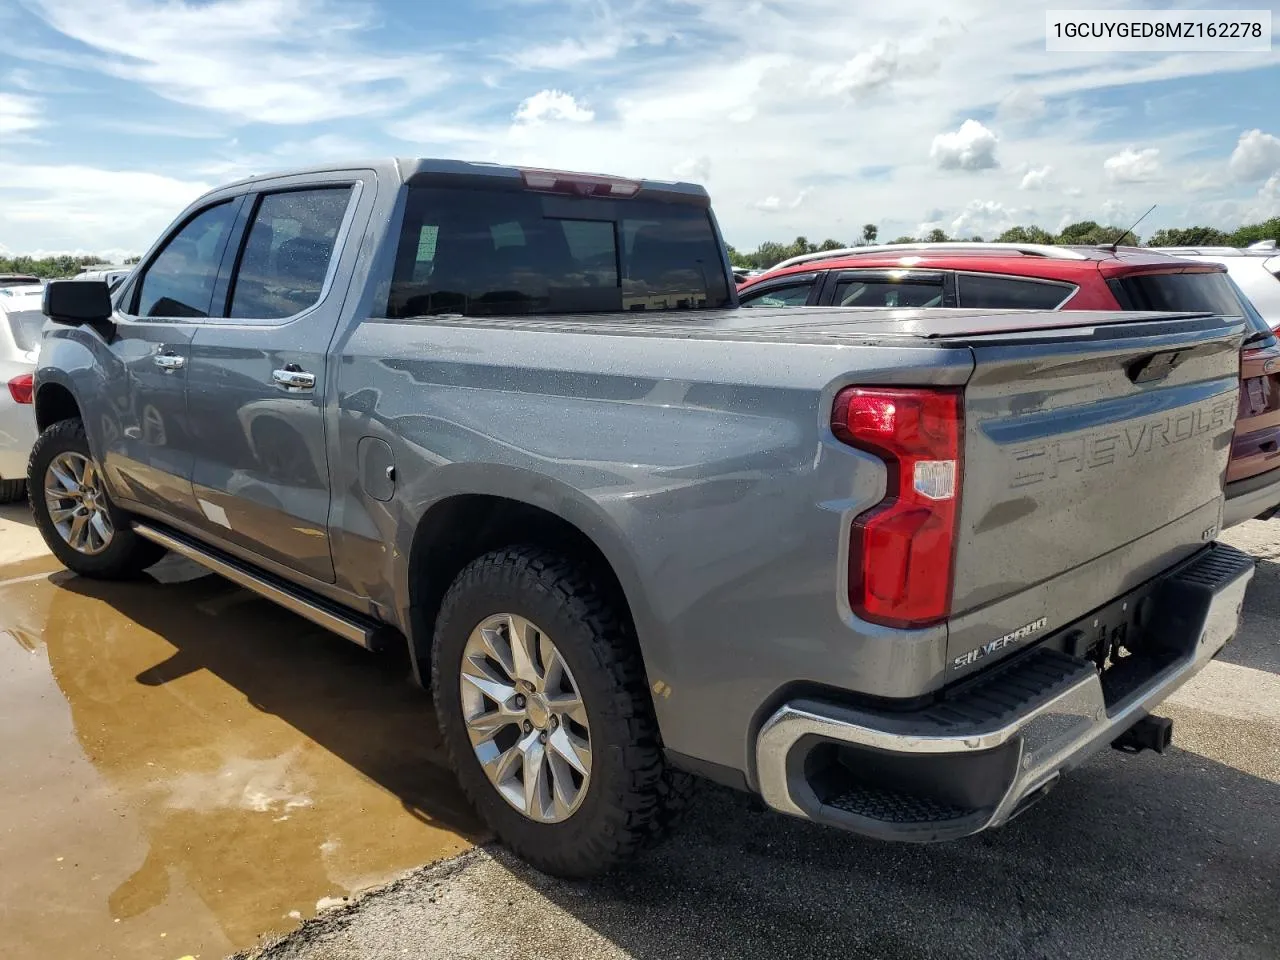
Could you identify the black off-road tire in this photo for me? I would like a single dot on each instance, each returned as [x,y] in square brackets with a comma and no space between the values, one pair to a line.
[11,491]
[126,556]
[632,795]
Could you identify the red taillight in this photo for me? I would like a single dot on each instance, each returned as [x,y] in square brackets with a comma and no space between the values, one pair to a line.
[902,551]
[21,387]
[579,184]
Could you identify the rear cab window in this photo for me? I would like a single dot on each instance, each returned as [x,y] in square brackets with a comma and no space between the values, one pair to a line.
[496,251]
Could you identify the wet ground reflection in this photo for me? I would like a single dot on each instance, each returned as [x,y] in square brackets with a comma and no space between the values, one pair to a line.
[184,767]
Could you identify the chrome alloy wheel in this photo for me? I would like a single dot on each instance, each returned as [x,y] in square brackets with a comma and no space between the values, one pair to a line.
[525,718]
[77,503]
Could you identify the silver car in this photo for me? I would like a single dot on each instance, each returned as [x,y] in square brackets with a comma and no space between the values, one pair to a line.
[20,324]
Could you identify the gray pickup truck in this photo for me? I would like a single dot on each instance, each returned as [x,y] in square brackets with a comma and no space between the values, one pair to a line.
[893,571]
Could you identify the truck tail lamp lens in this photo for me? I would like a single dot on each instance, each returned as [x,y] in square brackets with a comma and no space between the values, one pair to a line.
[902,551]
[21,388]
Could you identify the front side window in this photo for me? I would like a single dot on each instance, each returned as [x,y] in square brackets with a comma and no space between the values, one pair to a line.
[792,295]
[481,252]
[1010,293]
[179,281]
[889,290]
[286,253]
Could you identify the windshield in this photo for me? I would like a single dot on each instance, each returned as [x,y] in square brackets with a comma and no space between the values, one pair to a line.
[499,252]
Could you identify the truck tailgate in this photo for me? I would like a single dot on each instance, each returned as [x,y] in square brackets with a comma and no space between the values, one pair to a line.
[1094,458]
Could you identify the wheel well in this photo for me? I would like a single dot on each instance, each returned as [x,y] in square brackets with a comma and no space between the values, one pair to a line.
[457,530]
[54,403]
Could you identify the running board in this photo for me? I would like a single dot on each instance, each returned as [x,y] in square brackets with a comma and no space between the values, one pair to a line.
[367,633]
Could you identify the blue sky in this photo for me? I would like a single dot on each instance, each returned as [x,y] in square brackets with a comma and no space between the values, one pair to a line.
[800,116]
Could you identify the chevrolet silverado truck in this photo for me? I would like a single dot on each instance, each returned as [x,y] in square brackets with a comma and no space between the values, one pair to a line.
[892,571]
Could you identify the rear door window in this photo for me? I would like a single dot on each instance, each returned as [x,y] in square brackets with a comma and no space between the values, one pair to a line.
[890,288]
[1000,292]
[479,252]
[287,251]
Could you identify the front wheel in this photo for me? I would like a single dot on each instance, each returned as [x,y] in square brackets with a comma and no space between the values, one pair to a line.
[542,701]
[86,532]
[11,491]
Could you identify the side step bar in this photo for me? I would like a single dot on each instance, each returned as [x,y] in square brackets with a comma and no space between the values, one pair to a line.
[367,633]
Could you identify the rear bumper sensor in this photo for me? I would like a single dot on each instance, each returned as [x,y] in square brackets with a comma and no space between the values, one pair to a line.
[977,758]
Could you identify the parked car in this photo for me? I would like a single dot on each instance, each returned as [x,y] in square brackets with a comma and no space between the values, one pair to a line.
[1033,276]
[1255,269]
[20,324]
[112,276]
[895,578]
[18,280]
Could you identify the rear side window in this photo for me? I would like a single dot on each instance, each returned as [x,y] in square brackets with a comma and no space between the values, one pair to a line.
[26,326]
[496,252]
[1000,293]
[286,253]
[790,295]
[1182,292]
[179,281]
[889,291]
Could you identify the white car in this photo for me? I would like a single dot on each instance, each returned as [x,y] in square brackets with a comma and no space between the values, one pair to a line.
[1255,269]
[20,325]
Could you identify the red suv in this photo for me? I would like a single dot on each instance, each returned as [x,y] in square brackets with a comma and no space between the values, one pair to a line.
[1036,277]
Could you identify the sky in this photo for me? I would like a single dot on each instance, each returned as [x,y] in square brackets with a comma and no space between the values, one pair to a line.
[801,117]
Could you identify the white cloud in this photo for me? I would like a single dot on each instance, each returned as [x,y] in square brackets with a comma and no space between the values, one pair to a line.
[984,218]
[1133,166]
[1256,157]
[1202,180]
[865,72]
[18,113]
[76,207]
[552,105]
[696,169]
[267,61]
[1021,105]
[972,147]
[775,204]
[1037,178]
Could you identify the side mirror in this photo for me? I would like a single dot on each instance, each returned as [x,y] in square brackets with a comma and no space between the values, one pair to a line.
[78,303]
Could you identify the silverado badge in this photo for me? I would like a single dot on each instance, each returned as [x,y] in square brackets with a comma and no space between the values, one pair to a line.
[976,654]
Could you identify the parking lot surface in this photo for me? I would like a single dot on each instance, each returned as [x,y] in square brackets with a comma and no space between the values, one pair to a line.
[184,768]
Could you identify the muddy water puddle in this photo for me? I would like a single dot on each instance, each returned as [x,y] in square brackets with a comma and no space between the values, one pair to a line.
[185,767]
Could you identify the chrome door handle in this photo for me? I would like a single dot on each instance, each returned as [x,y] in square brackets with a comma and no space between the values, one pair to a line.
[169,361]
[294,379]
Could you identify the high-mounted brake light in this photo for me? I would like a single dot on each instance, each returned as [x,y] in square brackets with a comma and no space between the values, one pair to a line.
[902,551]
[21,387]
[579,184]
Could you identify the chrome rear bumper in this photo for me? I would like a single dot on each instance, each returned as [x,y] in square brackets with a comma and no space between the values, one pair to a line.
[975,760]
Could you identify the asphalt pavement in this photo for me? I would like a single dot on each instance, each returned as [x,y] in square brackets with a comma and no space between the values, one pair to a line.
[1145,856]
[187,770]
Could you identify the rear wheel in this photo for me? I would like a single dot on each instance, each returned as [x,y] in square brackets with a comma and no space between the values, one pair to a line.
[76,517]
[11,491]
[545,711]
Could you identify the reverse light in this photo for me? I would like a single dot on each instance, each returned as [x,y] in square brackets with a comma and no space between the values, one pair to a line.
[579,184]
[902,551]
[21,388]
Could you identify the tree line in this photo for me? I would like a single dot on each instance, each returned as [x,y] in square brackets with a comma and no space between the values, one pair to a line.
[1088,232]
[51,268]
